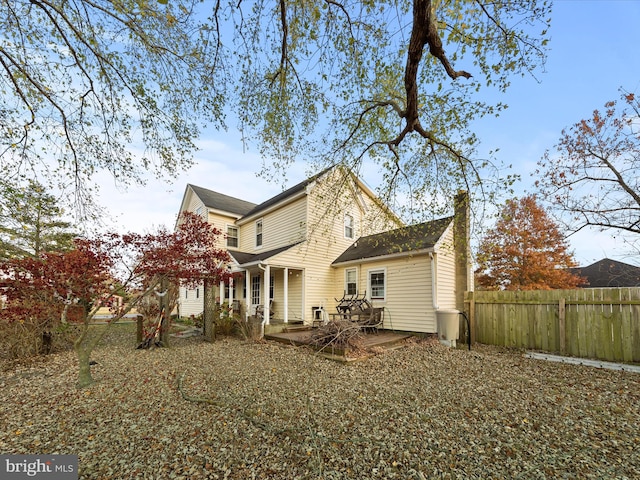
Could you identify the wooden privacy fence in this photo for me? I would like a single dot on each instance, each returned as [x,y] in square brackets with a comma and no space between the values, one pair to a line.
[600,323]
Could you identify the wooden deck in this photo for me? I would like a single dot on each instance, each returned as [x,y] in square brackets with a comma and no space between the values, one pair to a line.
[382,338]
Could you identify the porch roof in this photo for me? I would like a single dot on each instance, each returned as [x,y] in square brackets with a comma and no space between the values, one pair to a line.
[409,239]
[244,258]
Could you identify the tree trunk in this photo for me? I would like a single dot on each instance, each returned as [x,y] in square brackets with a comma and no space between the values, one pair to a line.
[84,369]
[209,311]
[166,316]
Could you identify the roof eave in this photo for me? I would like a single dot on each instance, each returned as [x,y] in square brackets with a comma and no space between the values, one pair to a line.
[389,256]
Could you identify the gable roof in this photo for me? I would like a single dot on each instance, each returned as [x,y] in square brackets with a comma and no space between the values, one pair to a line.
[244,258]
[290,192]
[219,201]
[412,238]
[609,273]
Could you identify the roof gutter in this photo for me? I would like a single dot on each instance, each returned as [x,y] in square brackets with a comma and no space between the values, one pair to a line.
[390,256]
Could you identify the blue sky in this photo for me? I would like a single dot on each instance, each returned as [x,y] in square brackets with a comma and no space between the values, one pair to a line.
[595,50]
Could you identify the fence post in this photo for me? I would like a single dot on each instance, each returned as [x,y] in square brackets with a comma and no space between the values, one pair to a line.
[562,324]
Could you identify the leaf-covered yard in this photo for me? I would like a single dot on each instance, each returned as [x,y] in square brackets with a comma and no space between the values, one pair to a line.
[240,410]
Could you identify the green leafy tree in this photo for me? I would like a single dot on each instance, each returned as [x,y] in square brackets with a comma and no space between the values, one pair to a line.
[82,82]
[31,222]
[398,83]
[525,250]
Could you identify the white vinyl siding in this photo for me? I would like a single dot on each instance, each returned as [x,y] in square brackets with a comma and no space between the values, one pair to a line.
[327,240]
[408,302]
[189,302]
[282,227]
[446,271]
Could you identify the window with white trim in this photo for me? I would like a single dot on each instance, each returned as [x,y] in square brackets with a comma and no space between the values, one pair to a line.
[255,290]
[348,226]
[259,233]
[272,284]
[232,236]
[351,281]
[377,284]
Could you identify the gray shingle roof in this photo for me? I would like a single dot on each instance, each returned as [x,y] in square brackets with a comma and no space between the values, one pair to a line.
[402,240]
[219,201]
[243,258]
[609,273]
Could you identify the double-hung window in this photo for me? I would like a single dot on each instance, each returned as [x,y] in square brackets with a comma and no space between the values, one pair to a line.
[351,282]
[377,284]
[259,233]
[348,226]
[232,236]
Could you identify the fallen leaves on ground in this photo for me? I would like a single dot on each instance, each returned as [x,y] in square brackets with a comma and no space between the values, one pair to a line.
[237,410]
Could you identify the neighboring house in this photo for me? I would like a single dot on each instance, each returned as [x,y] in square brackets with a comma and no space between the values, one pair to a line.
[331,236]
[609,273]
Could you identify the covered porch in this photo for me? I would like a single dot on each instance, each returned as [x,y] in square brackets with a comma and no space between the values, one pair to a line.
[269,290]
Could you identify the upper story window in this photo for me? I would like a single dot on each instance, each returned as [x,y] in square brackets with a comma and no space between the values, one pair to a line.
[200,211]
[232,236]
[348,226]
[259,233]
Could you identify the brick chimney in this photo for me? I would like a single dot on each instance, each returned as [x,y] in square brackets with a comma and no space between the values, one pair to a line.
[461,245]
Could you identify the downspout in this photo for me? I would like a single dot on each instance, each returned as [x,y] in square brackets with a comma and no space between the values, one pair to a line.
[434,282]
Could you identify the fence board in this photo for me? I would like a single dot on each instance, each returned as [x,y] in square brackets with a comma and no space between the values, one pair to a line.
[592,323]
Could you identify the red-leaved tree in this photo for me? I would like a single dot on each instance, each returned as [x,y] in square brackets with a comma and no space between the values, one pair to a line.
[100,269]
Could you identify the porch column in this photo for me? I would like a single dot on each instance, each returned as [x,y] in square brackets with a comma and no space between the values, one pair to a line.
[285,314]
[247,300]
[221,287]
[267,277]
[232,295]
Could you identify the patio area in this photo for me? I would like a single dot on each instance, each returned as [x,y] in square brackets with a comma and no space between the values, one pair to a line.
[303,337]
